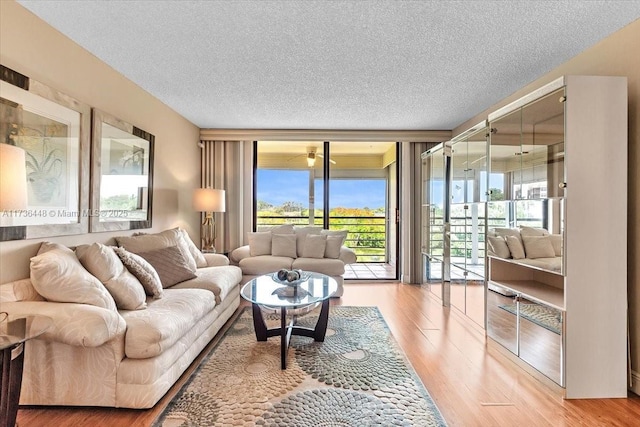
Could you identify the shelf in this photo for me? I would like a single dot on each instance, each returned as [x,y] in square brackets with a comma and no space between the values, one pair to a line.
[534,291]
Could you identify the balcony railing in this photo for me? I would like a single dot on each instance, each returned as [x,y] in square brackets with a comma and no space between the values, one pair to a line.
[366,235]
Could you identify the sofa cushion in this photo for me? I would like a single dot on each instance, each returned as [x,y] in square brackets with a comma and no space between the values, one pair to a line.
[284,245]
[504,232]
[301,234]
[498,245]
[165,321]
[328,266]
[264,264]
[259,243]
[105,265]
[139,267]
[556,242]
[533,231]
[538,247]
[20,290]
[332,248]
[197,255]
[219,280]
[314,246]
[515,247]
[58,276]
[170,264]
[149,242]
[278,229]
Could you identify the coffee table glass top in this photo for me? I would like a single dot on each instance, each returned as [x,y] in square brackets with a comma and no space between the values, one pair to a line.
[264,290]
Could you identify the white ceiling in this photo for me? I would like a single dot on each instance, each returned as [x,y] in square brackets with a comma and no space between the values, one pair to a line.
[397,65]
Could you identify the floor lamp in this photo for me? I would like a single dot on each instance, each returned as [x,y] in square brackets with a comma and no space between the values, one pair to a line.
[208,200]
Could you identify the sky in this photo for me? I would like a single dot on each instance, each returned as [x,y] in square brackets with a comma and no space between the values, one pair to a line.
[279,186]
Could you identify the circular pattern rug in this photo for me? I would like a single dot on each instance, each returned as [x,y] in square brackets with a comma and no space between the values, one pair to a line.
[357,376]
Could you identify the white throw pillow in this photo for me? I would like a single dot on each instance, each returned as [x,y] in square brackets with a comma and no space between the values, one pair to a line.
[314,246]
[278,229]
[556,242]
[532,231]
[197,255]
[538,247]
[106,266]
[302,232]
[146,274]
[332,249]
[284,245]
[498,245]
[58,276]
[150,242]
[515,247]
[259,243]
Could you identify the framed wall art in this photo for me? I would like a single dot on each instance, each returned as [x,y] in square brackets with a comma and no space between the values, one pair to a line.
[45,192]
[122,175]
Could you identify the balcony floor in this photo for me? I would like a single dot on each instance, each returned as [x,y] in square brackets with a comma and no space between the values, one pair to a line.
[369,271]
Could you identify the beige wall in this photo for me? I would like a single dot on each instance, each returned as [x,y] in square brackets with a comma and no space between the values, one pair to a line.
[616,55]
[32,47]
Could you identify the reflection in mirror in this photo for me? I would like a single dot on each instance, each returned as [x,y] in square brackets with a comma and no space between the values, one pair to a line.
[528,232]
[121,185]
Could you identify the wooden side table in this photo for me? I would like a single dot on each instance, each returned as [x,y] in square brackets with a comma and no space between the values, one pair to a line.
[14,332]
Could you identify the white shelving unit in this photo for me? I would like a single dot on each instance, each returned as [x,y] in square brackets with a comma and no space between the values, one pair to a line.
[588,175]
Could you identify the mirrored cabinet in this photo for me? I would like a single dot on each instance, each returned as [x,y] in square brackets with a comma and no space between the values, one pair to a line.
[556,206]
[453,221]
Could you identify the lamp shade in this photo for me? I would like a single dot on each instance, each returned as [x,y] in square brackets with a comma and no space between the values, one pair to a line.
[13,178]
[209,200]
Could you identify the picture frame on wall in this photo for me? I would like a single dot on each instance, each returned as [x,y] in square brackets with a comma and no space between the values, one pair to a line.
[50,133]
[122,174]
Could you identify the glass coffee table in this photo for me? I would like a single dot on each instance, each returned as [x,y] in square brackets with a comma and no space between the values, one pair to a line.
[267,292]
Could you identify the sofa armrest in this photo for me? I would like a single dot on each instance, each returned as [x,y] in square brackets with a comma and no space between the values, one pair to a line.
[240,253]
[347,255]
[81,325]
[216,260]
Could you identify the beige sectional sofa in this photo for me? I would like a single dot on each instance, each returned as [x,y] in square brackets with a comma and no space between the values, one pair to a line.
[285,246]
[122,332]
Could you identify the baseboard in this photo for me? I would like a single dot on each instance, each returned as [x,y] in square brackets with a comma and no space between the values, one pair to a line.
[635,382]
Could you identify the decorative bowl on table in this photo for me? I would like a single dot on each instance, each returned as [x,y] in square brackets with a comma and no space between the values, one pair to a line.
[290,277]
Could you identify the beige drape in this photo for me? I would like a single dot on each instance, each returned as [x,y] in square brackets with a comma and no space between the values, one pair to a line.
[228,165]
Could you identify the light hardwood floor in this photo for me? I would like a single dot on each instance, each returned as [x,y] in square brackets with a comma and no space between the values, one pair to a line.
[471,385]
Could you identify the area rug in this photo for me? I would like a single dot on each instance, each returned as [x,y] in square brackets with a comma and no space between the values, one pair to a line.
[358,376]
[546,317]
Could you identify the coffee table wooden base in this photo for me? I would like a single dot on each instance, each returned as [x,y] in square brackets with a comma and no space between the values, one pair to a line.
[285,331]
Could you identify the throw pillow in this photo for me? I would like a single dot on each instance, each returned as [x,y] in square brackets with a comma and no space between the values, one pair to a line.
[197,255]
[105,265]
[556,242]
[259,243]
[284,245]
[532,231]
[301,234]
[538,247]
[504,232]
[150,242]
[498,245]
[341,233]
[314,246]
[278,229]
[170,265]
[332,248]
[144,272]
[515,247]
[58,276]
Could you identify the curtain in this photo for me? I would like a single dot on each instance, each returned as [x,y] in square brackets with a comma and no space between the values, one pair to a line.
[228,165]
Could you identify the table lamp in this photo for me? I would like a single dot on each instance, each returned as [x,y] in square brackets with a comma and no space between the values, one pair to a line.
[13,178]
[208,200]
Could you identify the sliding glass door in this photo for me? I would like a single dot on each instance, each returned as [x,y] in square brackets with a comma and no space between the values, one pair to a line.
[338,185]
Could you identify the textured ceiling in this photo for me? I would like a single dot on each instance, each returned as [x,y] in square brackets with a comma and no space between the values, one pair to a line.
[333,65]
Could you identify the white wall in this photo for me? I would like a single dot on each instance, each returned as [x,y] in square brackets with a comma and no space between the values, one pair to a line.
[30,46]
